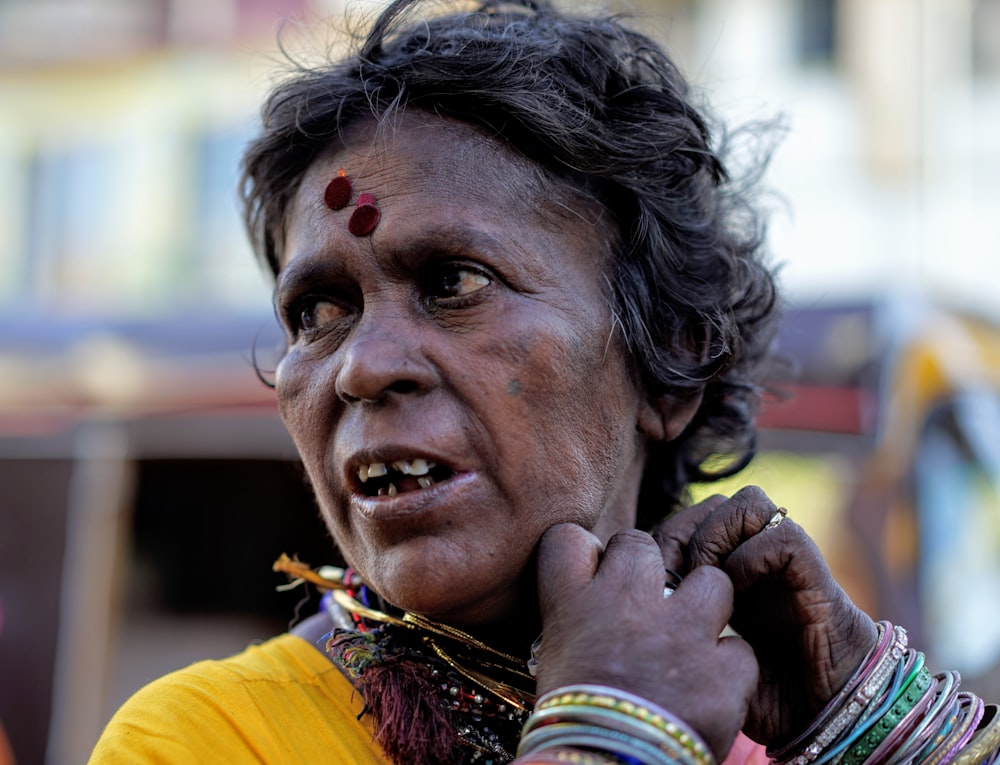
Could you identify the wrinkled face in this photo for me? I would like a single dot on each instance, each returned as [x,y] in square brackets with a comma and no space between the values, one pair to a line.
[453,382]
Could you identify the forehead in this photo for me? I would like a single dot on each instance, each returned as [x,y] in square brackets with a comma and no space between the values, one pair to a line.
[442,170]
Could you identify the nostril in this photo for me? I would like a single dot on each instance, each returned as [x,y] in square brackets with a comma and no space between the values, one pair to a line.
[350,398]
[404,386]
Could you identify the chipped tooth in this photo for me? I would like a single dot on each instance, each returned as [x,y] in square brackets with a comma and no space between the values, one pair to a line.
[402,466]
[425,481]
[377,470]
[363,473]
[393,491]
[419,467]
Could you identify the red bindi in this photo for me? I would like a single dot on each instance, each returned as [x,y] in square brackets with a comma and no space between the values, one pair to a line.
[338,191]
[365,216]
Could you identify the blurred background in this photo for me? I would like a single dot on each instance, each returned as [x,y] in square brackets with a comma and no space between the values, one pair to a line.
[146,484]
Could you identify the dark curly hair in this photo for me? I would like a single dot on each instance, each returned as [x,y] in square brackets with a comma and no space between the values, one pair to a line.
[603,108]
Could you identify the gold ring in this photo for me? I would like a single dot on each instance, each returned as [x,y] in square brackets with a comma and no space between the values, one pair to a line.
[776,519]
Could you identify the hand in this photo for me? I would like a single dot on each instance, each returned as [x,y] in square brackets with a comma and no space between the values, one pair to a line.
[808,636]
[606,622]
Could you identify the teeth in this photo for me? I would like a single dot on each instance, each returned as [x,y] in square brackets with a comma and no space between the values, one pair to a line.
[393,491]
[406,467]
[425,481]
[413,467]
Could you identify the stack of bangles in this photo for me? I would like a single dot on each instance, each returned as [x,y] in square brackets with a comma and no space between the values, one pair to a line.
[892,711]
[598,725]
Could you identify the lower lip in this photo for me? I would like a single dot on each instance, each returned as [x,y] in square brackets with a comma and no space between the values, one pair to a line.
[409,504]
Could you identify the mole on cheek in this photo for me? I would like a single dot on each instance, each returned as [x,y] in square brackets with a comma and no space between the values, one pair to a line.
[514,388]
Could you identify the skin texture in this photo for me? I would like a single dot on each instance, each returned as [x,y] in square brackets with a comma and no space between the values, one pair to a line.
[807,635]
[470,328]
[607,622]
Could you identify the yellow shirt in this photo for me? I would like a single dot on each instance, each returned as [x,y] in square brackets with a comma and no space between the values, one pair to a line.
[279,702]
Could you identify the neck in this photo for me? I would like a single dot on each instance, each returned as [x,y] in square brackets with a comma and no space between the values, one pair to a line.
[513,634]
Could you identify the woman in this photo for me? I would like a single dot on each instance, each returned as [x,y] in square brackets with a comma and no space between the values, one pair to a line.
[524,307]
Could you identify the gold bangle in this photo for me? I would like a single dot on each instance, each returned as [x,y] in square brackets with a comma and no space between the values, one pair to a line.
[985,742]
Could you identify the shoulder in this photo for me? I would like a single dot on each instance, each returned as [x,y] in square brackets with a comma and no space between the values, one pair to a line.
[280,701]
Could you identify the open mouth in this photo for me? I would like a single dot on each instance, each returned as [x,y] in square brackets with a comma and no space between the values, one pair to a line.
[381,479]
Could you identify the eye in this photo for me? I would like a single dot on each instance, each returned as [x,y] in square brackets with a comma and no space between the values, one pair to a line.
[316,313]
[454,280]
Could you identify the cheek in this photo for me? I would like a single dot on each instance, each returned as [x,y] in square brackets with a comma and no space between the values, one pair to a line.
[577,407]
[298,394]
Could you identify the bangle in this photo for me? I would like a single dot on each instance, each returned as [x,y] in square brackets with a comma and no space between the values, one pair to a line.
[885,725]
[886,635]
[872,679]
[597,716]
[970,712]
[598,704]
[571,756]
[878,707]
[593,737]
[985,741]
[942,700]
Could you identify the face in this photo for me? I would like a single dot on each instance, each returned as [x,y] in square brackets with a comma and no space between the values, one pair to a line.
[466,350]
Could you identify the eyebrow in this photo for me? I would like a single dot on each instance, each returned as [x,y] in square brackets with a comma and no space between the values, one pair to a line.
[302,270]
[445,237]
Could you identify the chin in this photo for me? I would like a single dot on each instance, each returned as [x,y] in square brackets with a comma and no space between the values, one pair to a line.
[458,600]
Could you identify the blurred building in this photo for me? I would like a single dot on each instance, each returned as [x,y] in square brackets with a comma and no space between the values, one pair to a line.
[144,478]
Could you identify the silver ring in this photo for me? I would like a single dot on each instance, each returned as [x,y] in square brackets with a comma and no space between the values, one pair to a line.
[776,519]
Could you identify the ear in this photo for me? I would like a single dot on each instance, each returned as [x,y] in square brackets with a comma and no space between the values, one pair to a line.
[663,418]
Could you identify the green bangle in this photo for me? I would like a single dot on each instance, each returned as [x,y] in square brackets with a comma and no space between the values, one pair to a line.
[867,744]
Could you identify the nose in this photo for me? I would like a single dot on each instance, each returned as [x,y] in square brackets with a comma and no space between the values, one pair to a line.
[381,357]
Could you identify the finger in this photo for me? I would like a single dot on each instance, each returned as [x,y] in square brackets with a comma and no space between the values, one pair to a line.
[568,556]
[771,553]
[704,600]
[674,532]
[633,559]
[729,525]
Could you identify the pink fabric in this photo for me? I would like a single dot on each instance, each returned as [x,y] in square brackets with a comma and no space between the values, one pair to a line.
[746,752]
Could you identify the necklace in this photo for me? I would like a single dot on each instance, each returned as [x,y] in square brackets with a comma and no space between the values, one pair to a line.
[471,699]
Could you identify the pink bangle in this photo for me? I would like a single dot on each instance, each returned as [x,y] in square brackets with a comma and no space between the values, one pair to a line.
[885,638]
[870,686]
